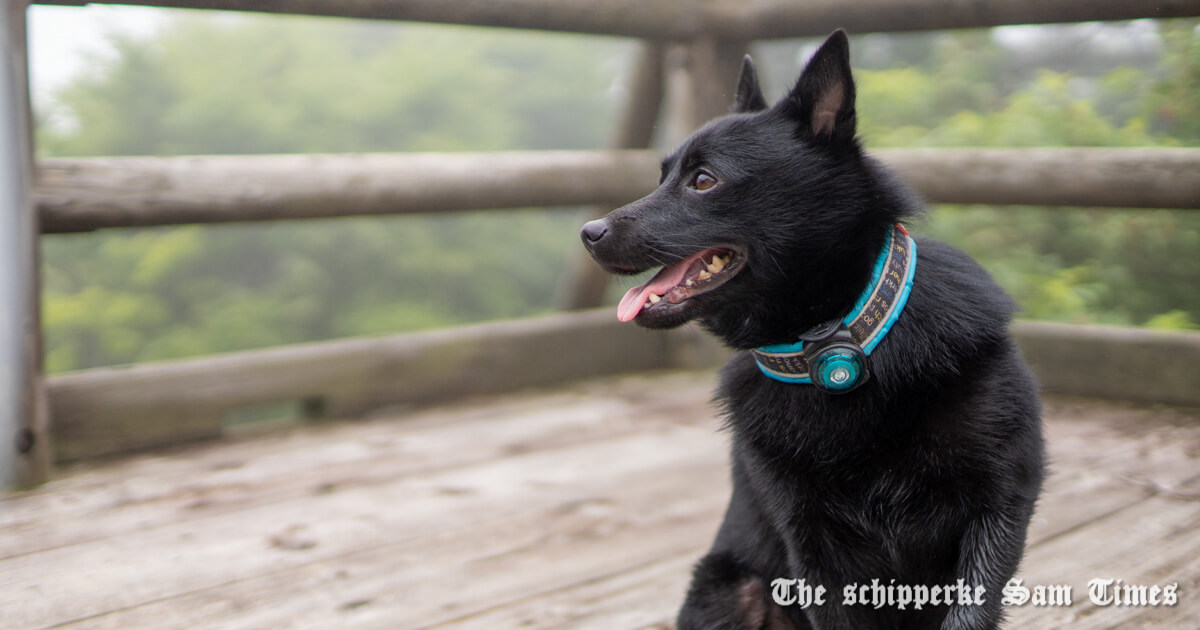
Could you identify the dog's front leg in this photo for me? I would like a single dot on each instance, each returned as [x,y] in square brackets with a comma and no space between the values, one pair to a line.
[989,554]
[726,595]
[730,586]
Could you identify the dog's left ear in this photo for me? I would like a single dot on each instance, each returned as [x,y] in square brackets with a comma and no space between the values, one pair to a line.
[749,93]
[823,99]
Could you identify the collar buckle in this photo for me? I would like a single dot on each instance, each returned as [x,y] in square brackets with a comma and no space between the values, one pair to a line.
[821,332]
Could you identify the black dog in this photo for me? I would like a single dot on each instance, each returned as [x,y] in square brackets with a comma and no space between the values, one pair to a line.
[893,456]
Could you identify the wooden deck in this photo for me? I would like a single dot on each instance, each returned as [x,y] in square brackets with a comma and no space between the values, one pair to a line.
[581,507]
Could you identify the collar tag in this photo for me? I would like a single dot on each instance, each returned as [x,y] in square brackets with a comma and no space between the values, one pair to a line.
[868,322]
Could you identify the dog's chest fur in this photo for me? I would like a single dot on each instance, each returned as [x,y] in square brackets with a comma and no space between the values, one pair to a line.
[840,479]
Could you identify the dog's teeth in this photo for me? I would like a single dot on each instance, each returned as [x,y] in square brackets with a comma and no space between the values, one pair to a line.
[716,265]
[704,275]
[689,282]
[654,299]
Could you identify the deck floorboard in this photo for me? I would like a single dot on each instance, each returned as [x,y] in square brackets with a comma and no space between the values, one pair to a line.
[581,507]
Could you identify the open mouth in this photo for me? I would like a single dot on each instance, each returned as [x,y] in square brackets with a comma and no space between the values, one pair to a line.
[695,275]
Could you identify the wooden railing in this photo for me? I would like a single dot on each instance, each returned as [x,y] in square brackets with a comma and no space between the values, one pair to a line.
[684,20]
[74,195]
[112,409]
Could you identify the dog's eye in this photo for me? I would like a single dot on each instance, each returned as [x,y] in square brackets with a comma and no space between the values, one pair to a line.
[703,181]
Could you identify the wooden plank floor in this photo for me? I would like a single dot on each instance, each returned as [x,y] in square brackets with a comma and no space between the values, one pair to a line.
[582,507]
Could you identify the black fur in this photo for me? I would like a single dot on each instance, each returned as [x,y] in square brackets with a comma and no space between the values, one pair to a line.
[926,474]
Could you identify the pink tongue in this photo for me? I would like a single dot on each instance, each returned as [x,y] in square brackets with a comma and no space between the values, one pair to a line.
[662,282]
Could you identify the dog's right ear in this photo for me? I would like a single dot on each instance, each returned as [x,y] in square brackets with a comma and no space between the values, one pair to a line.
[749,94]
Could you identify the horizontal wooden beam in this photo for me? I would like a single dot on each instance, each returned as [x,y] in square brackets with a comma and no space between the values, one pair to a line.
[87,194]
[109,410]
[1149,366]
[1110,362]
[721,19]
[633,18]
[1112,178]
[773,19]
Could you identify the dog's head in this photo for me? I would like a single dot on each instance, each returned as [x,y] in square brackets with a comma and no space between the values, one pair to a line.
[759,210]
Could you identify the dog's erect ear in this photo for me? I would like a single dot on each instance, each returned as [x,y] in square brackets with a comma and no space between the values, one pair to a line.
[823,99]
[749,94]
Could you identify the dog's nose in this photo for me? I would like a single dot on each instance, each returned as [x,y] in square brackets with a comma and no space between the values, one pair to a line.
[593,231]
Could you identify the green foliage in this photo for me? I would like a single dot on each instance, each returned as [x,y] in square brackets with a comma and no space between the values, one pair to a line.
[301,85]
[193,290]
[1082,266]
[1172,320]
[1043,114]
[283,84]
[262,85]
[901,108]
[1174,106]
[1067,264]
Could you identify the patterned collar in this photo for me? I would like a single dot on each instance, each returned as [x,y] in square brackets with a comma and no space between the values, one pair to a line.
[869,321]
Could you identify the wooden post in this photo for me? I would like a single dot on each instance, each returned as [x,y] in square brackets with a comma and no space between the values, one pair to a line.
[701,81]
[712,67]
[25,454]
[583,284]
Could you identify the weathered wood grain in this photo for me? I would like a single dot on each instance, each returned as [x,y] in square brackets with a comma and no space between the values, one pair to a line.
[1100,457]
[724,19]
[1111,362]
[90,193]
[1151,366]
[26,453]
[281,539]
[1150,542]
[644,598]
[115,409]
[112,410]
[1133,178]
[80,194]
[1103,458]
[324,524]
[579,507]
[242,474]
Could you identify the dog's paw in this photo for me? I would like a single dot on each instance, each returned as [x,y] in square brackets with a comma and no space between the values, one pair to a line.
[726,595]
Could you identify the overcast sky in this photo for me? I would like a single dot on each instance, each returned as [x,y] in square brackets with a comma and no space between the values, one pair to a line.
[62,38]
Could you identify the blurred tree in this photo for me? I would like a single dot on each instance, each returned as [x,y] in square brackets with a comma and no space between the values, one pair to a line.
[296,85]
[1174,106]
[993,88]
[263,85]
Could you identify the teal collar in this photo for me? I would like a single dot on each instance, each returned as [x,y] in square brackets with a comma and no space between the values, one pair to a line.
[833,352]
